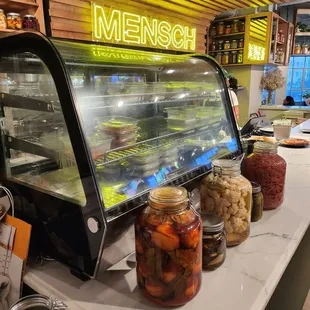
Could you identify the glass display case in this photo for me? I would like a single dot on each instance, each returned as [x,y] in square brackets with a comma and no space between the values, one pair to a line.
[87,130]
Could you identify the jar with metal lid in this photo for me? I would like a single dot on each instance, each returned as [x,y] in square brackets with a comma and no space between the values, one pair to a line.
[213,31]
[241,27]
[225,58]
[220,28]
[218,57]
[213,47]
[228,29]
[257,202]
[14,21]
[226,45]
[241,43]
[2,20]
[234,44]
[38,302]
[240,57]
[220,45]
[228,194]
[234,57]
[30,22]
[168,236]
[235,26]
[267,168]
[213,241]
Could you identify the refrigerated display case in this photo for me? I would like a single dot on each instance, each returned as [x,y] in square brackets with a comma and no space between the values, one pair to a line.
[87,130]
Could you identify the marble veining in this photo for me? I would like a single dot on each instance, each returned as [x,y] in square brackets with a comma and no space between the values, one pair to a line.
[247,279]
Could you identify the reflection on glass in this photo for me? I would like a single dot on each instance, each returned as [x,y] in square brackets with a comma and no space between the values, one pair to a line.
[297,95]
[257,39]
[297,78]
[307,79]
[299,62]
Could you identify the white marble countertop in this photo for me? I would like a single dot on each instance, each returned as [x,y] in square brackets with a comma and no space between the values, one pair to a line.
[247,279]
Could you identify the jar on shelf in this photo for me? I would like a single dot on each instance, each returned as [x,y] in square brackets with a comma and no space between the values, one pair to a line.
[14,21]
[220,45]
[240,57]
[168,236]
[226,45]
[267,168]
[213,241]
[241,43]
[228,29]
[2,20]
[257,202]
[234,57]
[213,31]
[218,57]
[225,58]
[234,44]
[297,49]
[213,46]
[220,28]
[235,26]
[304,49]
[30,22]
[242,27]
[228,194]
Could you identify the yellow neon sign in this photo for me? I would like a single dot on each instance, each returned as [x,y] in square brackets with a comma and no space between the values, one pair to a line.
[256,52]
[115,26]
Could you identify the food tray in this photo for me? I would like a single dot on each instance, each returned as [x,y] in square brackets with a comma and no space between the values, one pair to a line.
[144,158]
[181,113]
[178,125]
[117,126]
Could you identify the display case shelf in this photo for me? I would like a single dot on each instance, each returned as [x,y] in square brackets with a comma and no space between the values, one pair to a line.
[236,34]
[302,34]
[228,50]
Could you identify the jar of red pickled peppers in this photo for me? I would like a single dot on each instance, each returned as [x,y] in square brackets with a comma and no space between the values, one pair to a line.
[169,248]
[267,168]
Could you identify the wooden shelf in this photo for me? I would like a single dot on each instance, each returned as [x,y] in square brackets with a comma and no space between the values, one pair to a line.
[229,50]
[17,5]
[227,35]
[302,34]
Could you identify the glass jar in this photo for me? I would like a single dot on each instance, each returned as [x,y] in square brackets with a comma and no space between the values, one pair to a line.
[220,45]
[225,58]
[234,44]
[235,26]
[297,49]
[213,242]
[30,22]
[304,49]
[267,168]
[226,45]
[220,28]
[2,20]
[14,21]
[228,29]
[241,43]
[257,202]
[213,31]
[234,57]
[218,57]
[241,27]
[169,247]
[213,47]
[228,194]
[240,57]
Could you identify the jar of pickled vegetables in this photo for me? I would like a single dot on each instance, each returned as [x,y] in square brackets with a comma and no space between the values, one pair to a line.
[234,44]
[220,45]
[225,58]
[30,22]
[267,168]
[213,31]
[213,241]
[218,57]
[240,57]
[228,29]
[226,45]
[235,26]
[169,248]
[242,27]
[234,57]
[220,28]
[2,20]
[228,194]
[241,43]
[213,47]
[14,21]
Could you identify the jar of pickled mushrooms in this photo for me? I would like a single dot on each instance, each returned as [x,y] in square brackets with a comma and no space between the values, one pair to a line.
[227,193]
[169,248]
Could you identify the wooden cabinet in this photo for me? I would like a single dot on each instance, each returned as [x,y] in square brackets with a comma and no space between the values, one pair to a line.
[25,7]
[267,40]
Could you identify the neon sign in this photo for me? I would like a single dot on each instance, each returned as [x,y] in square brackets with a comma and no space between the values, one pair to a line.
[115,26]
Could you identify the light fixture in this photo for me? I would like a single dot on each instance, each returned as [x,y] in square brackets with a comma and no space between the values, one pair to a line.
[205,73]
[170,71]
[120,103]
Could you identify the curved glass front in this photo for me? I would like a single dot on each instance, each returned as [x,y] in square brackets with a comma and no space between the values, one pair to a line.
[149,118]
